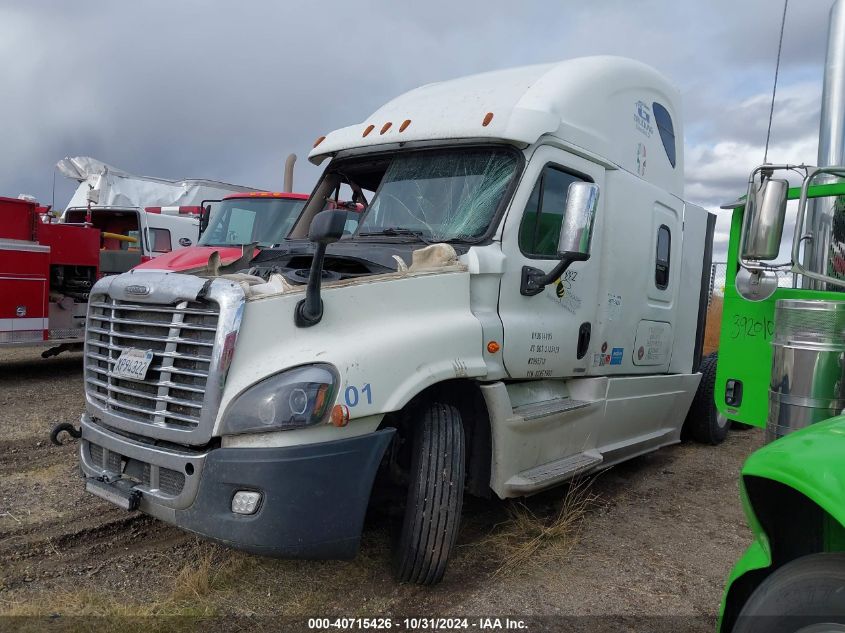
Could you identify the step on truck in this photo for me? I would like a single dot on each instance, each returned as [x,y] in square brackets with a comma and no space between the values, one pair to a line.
[521,302]
[781,366]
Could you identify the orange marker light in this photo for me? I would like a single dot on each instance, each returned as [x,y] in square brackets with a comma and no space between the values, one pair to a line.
[340,415]
[319,140]
[385,127]
[404,125]
[369,129]
[493,347]
[487,118]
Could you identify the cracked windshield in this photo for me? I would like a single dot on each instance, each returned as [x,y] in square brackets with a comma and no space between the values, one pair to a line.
[440,197]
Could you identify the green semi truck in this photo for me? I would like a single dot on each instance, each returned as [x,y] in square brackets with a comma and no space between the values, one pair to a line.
[781,366]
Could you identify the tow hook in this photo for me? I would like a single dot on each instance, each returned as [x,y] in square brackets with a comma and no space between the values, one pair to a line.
[64,427]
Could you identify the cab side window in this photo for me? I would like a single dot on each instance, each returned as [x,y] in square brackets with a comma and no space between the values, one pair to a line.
[664,251]
[161,240]
[540,228]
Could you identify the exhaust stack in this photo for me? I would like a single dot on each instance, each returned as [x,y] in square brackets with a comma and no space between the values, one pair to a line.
[831,143]
[288,185]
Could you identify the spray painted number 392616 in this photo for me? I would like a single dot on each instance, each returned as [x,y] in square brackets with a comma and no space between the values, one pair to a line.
[353,396]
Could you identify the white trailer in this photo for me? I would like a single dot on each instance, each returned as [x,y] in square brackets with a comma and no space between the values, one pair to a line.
[522,302]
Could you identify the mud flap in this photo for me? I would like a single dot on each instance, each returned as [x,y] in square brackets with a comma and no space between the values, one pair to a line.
[118,492]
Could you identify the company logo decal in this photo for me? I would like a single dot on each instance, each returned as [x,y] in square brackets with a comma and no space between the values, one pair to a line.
[614,358]
[185,241]
[20,311]
[564,294]
[137,290]
[642,119]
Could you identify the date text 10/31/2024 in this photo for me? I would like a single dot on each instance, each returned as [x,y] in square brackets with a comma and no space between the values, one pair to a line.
[417,624]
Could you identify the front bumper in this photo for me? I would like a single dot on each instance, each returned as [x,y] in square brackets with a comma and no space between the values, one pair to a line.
[314,499]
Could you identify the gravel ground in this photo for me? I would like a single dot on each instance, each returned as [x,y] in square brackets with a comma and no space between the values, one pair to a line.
[656,540]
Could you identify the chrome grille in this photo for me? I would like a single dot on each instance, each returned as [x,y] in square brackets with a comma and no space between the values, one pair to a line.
[181,337]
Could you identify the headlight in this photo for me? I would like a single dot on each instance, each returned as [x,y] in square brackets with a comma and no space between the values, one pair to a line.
[292,399]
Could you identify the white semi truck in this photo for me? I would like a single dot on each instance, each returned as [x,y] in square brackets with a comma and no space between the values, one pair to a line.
[522,301]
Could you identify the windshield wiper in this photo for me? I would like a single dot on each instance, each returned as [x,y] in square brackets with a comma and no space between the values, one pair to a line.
[397,231]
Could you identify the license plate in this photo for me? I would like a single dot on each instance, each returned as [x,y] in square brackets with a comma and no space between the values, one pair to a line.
[133,364]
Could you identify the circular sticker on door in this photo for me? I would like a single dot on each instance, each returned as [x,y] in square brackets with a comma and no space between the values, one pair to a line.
[185,241]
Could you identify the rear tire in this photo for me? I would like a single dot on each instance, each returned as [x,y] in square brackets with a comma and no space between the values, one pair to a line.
[435,496]
[704,423]
[805,595]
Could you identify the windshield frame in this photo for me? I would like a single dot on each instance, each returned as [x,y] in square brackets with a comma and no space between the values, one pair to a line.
[340,165]
[264,200]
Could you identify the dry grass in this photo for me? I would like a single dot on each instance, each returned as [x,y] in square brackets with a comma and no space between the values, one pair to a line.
[193,593]
[530,537]
[713,325]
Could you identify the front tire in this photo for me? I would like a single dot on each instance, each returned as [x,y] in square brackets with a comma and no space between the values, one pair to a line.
[435,496]
[806,595]
[704,423]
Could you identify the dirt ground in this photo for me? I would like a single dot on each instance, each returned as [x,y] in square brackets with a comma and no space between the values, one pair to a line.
[654,538]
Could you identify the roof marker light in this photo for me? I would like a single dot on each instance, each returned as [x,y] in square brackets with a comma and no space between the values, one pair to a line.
[369,129]
[404,125]
[385,127]
[319,140]
[487,118]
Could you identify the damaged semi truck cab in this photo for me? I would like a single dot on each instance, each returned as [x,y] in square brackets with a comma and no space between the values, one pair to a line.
[521,302]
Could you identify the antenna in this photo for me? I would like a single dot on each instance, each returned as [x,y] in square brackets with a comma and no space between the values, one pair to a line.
[775,86]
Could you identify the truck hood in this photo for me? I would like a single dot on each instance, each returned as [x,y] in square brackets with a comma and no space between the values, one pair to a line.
[389,337]
[193,258]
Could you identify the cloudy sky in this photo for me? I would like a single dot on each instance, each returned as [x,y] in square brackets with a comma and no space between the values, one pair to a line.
[225,90]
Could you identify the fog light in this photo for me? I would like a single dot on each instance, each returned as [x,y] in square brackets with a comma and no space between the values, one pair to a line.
[245,502]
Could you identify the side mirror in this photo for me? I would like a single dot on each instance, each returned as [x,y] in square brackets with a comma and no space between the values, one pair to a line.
[205,214]
[576,234]
[327,227]
[576,229]
[766,209]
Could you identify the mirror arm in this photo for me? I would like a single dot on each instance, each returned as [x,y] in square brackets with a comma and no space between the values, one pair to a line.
[535,280]
[309,311]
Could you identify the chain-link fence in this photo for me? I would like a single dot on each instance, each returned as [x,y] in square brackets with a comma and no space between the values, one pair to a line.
[718,274]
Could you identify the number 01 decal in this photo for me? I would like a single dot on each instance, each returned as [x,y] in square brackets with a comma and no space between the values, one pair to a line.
[353,397]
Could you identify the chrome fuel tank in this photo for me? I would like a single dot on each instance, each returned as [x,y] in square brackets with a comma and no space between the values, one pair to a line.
[808,365]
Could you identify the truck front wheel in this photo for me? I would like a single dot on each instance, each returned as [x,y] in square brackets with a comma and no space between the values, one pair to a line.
[805,595]
[435,496]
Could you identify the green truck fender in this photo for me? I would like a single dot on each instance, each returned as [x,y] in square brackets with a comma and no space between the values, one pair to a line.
[793,494]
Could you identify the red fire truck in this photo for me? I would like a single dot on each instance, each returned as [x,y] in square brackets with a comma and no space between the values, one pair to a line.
[46,270]
[47,266]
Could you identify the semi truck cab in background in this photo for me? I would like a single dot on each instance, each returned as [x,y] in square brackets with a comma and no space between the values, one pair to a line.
[521,302]
[259,218]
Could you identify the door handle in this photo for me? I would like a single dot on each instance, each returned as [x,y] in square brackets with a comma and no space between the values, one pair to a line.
[583,340]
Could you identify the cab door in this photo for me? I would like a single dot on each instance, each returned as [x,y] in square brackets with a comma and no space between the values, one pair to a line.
[548,335]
